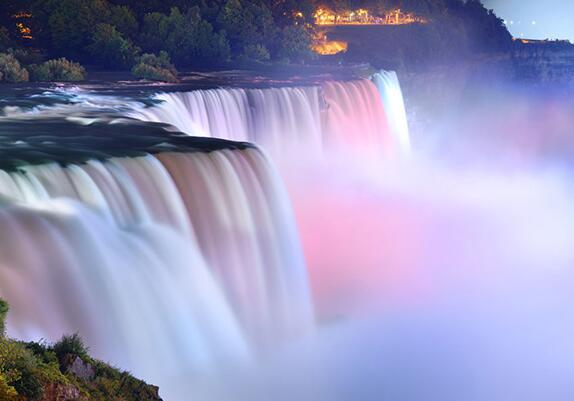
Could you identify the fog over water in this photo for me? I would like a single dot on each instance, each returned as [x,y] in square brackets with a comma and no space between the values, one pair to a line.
[446,274]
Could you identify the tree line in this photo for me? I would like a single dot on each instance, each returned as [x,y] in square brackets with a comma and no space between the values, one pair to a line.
[113,34]
[151,36]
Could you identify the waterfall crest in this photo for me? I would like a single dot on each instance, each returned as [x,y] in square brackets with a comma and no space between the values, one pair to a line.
[368,114]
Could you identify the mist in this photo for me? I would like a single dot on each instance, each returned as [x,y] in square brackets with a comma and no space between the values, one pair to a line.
[457,288]
[443,273]
[446,276]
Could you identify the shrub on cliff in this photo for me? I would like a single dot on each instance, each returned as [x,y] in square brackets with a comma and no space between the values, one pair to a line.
[20,369]
[155,68]
[70,345]
[58,70]
[39,371]
[7,392]
[10,69]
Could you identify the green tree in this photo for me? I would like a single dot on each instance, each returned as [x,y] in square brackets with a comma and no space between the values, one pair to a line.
[154,31]
[7,392]
[18,367]
[71,24]
[124,20]
[111,49]
[247,24]
[205,44]
[70,345]
[4,308]
[295,44]
[256,52]
[61,70]
[10,69]
[486,32]
[188,38]
[5,40]
[155,68]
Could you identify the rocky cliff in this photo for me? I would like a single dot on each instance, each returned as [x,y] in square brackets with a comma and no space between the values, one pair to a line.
[545,62]
[62,372]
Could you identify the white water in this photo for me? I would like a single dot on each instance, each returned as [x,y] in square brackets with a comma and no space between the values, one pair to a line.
[186,261]
[182,260]
[431,281]
[387,83]
[340,116]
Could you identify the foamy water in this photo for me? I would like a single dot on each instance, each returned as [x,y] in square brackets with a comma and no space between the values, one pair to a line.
[432,277]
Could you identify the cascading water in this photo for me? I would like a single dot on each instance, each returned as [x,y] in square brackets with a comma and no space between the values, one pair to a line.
[184,259]
[187,260]
[387,83]
[313,134]
[361,114]
[272,116]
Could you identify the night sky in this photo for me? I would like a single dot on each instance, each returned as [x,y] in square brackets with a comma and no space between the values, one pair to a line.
[536,19]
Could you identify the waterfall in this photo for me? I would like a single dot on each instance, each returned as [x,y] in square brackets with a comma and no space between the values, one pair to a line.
[275,117]
[364,114]
[355,118]
[159,249]
[189,259]
[388,86]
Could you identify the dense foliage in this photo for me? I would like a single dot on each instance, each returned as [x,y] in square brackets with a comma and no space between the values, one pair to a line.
[113,34]
[10,69]
[34,371]
[155,68]
[5,40]
[61,70]
[109,47]
[188,38]
[4,308]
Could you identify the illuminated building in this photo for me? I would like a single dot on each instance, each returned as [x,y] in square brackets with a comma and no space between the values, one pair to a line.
[325,16]
[22,21]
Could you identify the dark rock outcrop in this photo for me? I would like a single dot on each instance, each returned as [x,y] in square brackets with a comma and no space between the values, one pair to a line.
[78,367]
[545,62]
[61,392]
